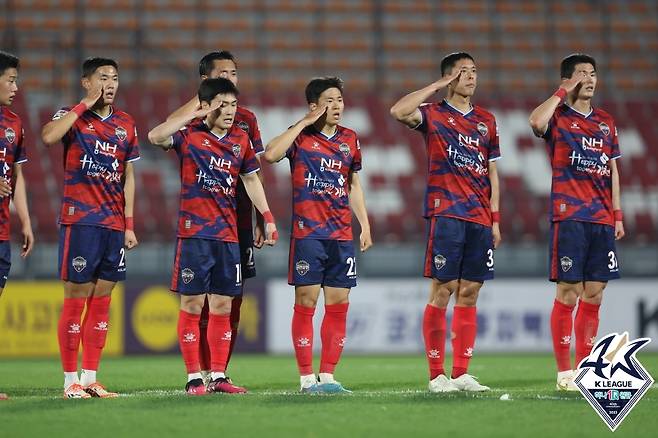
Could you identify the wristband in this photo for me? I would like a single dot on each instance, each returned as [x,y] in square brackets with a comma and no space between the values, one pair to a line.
[619,215]
[561,93]
[268,217]
[79,109]
[495,216]
[130,223]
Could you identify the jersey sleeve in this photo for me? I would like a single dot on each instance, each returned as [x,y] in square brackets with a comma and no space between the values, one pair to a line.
[549,128]
[494,144]
[178,139]
[292,150]
[254,136]
[356,162]
[249,162]
[616,153]
[424,114]
[20,155]
[133,147]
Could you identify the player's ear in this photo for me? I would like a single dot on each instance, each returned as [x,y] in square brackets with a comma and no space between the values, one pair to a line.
[204,104]
[86,84]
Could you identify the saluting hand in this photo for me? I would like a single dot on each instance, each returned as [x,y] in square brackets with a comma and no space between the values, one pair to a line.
[314,116]
[93,95]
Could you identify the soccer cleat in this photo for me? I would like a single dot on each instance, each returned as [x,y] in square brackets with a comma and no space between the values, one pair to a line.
[332,388]
[311,389]
[195,387]
[98,390]
[223,384]
[75,390]
[3,396]
[466,382]
[565,381]
[442,384]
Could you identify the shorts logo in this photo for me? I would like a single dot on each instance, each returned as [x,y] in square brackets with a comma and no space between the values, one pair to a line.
[345,149]
[482,129]
[10,135]
[302,267]
[605,129]
[244,126]
[79,263]
[566,263]
[236,150]
[187,275]
[439,261]
[612,379]
[121,133]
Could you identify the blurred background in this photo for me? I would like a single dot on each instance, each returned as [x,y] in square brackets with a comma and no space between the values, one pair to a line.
[383,50]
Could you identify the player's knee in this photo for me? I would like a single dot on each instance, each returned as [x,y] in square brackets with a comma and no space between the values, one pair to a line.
[192,305]
[306,300]
[593,295]
[468,295]
[220,305]
[568,293]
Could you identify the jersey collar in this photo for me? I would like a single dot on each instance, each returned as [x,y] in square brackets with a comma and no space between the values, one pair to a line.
[457,109]
[591,110]
[106,117]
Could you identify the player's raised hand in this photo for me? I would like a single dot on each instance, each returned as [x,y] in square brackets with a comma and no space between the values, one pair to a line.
[130,240]
[619,230]
[271,234]
[201,113]
[5,188]
[497,237]
[28,241]
[445,80]
[313,116]
[365,241]
[572,83]
[93,95]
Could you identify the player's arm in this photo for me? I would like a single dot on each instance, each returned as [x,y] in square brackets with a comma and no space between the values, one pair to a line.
[406,109]
[358,205]
[616,201]
[54,130]
[20,203]
[259,230]
[191,106]
[162,134]
[495,202]
[276,149]
[130,239]
[541,115]
[255,191]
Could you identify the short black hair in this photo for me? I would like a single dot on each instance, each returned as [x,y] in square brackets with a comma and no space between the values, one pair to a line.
[7,60]
[317,86]
[449,61]
[210,88]
[90,65]
[207,63]
[568,64]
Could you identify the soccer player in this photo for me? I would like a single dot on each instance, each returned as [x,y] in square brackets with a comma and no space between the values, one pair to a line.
[324,160]
[12,157]
[96,219]
[461,206]
[214,154]
[586,216]
[223,65]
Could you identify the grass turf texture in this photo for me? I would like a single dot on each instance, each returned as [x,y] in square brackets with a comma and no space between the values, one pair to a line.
[390,399]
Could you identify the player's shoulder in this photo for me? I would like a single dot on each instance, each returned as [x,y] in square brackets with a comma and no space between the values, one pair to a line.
[346,132]
[603,114]
[483,113]
[124,116]
[238,134]
[9,114]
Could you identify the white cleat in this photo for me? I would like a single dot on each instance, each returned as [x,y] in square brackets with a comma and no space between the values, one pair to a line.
[441,384]
[565,381]
[466,382]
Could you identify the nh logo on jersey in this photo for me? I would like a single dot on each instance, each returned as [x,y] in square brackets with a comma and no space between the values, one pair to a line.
[330,164]
[79,264]
[605,129]
[236,149]
[105,148]
[592,144]
[218,163]
[566,263]
[482,129]
[10,135]
[345,149]
[120,133]
[465,140]
[612,379]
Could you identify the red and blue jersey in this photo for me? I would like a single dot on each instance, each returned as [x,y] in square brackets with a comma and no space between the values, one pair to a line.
[581,147]
[96,150]
[210,167]
[321,168]
[12,152]
[459,149]
[246,120]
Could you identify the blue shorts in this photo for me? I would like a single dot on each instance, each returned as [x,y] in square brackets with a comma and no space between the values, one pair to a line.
[5,262]
[459,249]
[207,266]
[88,252]
[324,262]
[582,251]
[247,260]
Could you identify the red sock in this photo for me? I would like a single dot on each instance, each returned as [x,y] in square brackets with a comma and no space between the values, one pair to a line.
[235,322]
[204,348]
[434,334]
[561,326]
[219,339]
[332,334]
[586,325]
[188,340]
[68,332]
[464,328]
[94,331]
[302,338]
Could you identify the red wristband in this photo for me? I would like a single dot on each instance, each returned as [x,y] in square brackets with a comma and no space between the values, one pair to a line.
[79,109]
[130,223]
[495,216]
[561,93]
[268,217]
[619,215]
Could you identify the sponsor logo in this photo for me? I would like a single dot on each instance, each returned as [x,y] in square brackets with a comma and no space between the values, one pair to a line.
[439,261]
[605,129]
[101,326]
[227,336]
[302,267]
[433,354]
[345,149]
[121,133]
[189,337]
[236,150]
[10,135]
[316,145]
[79,264]
[74,328]
[482,129]
[187,275]
[303,342]
[205,142]
[566,263]
[566,340]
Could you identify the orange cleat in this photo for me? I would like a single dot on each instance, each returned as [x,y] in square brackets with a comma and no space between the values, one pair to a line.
[75,390]
[98,390]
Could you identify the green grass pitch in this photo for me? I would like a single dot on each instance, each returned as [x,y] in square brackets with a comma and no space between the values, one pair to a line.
[390,399]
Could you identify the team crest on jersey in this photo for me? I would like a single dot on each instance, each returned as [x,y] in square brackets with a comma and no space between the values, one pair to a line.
[79,264]
[302,267]
[345,149]
[187,275]
[120,133]
[236,149]
[566,263]
[482,129]
[10,135]
[439,261]
[244,126]
[605,129]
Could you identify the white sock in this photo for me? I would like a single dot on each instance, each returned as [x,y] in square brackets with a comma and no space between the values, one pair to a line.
[307,380]
[326,378]
[87,377]
[70,379]
[193,376]
[216,375]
